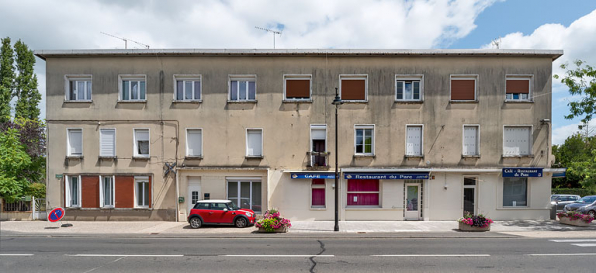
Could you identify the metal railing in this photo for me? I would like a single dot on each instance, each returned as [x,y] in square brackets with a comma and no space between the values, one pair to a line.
[318,159]
[17,206]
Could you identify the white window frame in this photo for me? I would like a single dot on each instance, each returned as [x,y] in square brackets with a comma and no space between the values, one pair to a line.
[355,77]
[246,137]
[298,77]
[421,140]
[412,77]
[477,139]
[529,78]
[317,127]
[68,151]
[76,78]
[132,77]
[102,189]
[324,186]
[465,77]
[135,147]
[238,181]
[188,77]
[200,155]
[365,126]
[531,141]
[115,138]
[247,78]
[67,197]
[528,194]
[142,179]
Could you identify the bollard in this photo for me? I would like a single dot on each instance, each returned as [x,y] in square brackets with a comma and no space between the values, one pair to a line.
[553,212]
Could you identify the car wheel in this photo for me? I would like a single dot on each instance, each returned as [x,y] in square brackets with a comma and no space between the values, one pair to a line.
[241,222]
[592,213]
[196,222]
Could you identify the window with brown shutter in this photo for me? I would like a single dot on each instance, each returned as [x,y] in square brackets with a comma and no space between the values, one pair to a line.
[124,191]
[353,88]
[297,88]
[517,88]
[90,191]
[463,88]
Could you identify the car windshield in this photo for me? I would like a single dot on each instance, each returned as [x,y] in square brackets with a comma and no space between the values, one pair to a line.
[233,206]
[587,199]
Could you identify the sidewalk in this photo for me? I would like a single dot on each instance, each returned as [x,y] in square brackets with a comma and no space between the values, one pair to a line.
[407,229]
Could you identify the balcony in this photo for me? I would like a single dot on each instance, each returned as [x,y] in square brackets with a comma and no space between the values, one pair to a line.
[318,160]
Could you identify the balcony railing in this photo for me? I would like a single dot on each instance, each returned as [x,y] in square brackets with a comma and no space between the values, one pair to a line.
[319,160]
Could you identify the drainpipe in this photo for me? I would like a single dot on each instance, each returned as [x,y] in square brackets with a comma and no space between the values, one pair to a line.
[177,196]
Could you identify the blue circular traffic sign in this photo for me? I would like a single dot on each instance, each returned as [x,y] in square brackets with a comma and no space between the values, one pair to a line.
[56,214]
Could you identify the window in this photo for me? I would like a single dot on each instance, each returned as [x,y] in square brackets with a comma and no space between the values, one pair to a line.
[78,88]
[246,193]
[187,87]
[132,88]
[318,142]
[353,87]
[107,192]
[75,142]
[517,140]
[194,142]
[515,192]
[254,142]
[408,88]
[364,140]
[243,88]
[297,87]
[318,193]
[363,192]
[414,140]
[73,191]
[463,88]
[471,141]
[107,142]
[142,195]
[141,142]
[517,88]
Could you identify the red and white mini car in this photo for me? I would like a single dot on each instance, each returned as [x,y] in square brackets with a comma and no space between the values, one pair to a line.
[220,212]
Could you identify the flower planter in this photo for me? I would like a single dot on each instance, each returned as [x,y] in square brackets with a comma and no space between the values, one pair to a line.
[466,227]
[277,230]
[576,222]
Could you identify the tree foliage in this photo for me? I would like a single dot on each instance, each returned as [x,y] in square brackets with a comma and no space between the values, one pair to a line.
[26,84]
[578,155]
[581,81]
[14,162]
[7,75]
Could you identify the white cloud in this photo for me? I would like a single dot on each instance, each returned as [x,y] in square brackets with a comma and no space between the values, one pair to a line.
[563,132]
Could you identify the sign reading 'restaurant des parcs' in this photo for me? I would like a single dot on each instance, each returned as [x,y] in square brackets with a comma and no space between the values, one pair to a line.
[522,172]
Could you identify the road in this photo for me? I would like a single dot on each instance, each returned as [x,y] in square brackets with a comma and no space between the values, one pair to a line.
[147,254]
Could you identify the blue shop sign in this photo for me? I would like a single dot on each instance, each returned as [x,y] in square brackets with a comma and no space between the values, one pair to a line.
[313,176]
[421,175]
[522,172]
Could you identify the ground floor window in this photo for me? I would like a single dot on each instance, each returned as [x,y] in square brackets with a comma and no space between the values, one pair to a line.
[318,193]
[107,191]
[142,192]
[363,192]
[73,191]
[245,193]
[515,192]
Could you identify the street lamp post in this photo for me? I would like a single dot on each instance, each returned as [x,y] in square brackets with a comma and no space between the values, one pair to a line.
[337,102]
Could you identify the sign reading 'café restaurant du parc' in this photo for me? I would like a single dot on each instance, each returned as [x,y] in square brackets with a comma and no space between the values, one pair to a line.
[522,172]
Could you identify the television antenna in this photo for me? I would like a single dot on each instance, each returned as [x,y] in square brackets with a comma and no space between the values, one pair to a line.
[125,40]
[274,32]
[497,43]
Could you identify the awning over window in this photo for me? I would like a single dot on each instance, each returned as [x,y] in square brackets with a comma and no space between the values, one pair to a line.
[313,175]
[387,175]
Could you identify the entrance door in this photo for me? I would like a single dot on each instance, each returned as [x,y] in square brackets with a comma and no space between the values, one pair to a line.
[469,195]
[412,202]
[194,192]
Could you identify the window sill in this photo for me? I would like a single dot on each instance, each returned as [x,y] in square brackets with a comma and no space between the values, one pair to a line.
[193,157]
[364,156]
[242,101]
[78,101]
[297,101]
[463,101]
[74,157]
[141,208]
[519,101]
[132,101]
[513,208]
[108,157]
[518,156]
[414,156]
[187,101]
[355,101]
[357,208]
[141,157]
[73,208]
[318,209]
[470,156]
[408,101]
[253,157]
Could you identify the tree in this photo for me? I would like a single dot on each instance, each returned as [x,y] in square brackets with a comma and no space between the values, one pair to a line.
[581,82]
[26,84]
[14,161]
[7,75]
[575,155]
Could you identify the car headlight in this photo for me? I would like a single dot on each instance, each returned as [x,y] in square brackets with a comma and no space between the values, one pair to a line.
[249,214]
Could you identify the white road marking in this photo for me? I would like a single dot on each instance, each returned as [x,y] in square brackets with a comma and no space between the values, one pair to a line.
[15,254]
[123,255]
[408,230]
[584,245]
[433,255]
[573,240]
[277,256]
[564,254]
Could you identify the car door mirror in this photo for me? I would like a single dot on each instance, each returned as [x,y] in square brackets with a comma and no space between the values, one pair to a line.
[225,209]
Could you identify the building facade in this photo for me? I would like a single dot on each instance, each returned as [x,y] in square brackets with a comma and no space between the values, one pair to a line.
[422,134]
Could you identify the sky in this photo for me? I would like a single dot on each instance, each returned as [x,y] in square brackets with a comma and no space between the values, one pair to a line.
[569,25]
